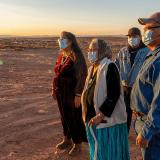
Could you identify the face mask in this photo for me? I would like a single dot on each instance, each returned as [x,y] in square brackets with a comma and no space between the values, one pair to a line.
[92,57]
[147,38]
[63,43]
[133,42]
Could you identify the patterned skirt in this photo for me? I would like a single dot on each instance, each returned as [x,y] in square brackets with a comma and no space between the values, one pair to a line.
[109,143]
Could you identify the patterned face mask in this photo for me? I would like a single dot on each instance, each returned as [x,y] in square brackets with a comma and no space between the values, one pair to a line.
[147,38]
[133,42]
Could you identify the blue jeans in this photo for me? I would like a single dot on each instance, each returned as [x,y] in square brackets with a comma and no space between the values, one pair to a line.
[153,150]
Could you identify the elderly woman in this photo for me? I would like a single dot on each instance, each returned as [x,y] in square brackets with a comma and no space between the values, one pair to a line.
[68,83]
[103,106]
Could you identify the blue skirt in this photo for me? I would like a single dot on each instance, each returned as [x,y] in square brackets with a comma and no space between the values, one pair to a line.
[109,143]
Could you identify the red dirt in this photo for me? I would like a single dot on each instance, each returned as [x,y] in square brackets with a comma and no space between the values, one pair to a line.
[29,119]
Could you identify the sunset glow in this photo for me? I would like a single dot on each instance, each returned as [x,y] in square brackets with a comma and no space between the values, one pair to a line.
[83,17]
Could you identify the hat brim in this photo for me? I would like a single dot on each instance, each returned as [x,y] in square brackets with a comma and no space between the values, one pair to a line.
[144,21]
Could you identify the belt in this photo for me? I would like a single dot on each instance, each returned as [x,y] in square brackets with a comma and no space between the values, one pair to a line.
[140,114]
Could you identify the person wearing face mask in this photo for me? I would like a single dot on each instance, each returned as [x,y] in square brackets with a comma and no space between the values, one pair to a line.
[145,96]
[68,82]
[103,107]
[129,61]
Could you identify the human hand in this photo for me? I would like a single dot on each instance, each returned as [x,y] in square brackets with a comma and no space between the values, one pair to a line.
[96,119]
[141,142]
[53,94]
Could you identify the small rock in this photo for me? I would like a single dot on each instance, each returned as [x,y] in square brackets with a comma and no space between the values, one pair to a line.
[42,111]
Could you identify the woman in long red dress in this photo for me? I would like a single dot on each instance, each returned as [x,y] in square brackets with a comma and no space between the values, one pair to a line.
[68,83]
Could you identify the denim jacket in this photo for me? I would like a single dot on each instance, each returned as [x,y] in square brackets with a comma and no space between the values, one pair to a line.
[145,96]
[128,73]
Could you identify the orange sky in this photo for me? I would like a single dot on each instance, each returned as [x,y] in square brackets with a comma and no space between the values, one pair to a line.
[85,17]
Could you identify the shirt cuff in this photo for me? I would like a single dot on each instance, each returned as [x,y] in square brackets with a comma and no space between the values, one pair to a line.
[146,132]
[107,108]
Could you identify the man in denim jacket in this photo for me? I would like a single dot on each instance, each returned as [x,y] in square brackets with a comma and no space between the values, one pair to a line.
[129,62]
[145,96]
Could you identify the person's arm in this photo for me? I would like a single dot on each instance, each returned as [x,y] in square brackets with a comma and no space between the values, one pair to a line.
[152,124]
[66,67]
[56,66]
[117,60]
[81,75]
[60,70]
[55,77]
[113,90]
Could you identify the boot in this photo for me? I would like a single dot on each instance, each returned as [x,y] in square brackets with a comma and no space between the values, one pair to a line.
[66,143]
[75,150]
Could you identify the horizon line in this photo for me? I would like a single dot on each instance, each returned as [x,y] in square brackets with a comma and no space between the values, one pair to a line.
[82,35]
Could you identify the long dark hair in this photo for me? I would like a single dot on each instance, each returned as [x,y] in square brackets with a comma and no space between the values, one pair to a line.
[80,63]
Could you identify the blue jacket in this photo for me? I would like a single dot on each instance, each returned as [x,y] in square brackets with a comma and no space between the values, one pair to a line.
[128,73]
[145,96]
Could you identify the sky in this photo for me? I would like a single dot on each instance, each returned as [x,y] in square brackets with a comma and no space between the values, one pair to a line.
[82,17]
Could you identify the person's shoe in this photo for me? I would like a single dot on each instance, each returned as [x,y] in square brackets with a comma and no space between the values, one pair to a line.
[75,150]
[64,144]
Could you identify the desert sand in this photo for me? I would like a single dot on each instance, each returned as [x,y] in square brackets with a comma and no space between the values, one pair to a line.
[30,124]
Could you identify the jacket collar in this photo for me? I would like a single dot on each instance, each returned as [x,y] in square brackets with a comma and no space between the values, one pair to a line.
[103,62]
[156,51]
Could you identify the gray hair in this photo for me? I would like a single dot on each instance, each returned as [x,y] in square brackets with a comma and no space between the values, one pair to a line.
[104,50]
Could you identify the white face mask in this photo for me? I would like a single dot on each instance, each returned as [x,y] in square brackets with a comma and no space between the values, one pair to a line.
[133,42]
[92,57]
[147,37]
[63,43]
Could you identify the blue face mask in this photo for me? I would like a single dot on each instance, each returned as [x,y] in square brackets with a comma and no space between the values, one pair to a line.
[63,43]
[92,57]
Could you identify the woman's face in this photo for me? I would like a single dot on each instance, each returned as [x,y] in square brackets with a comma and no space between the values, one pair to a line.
[93,52]
[64,42]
